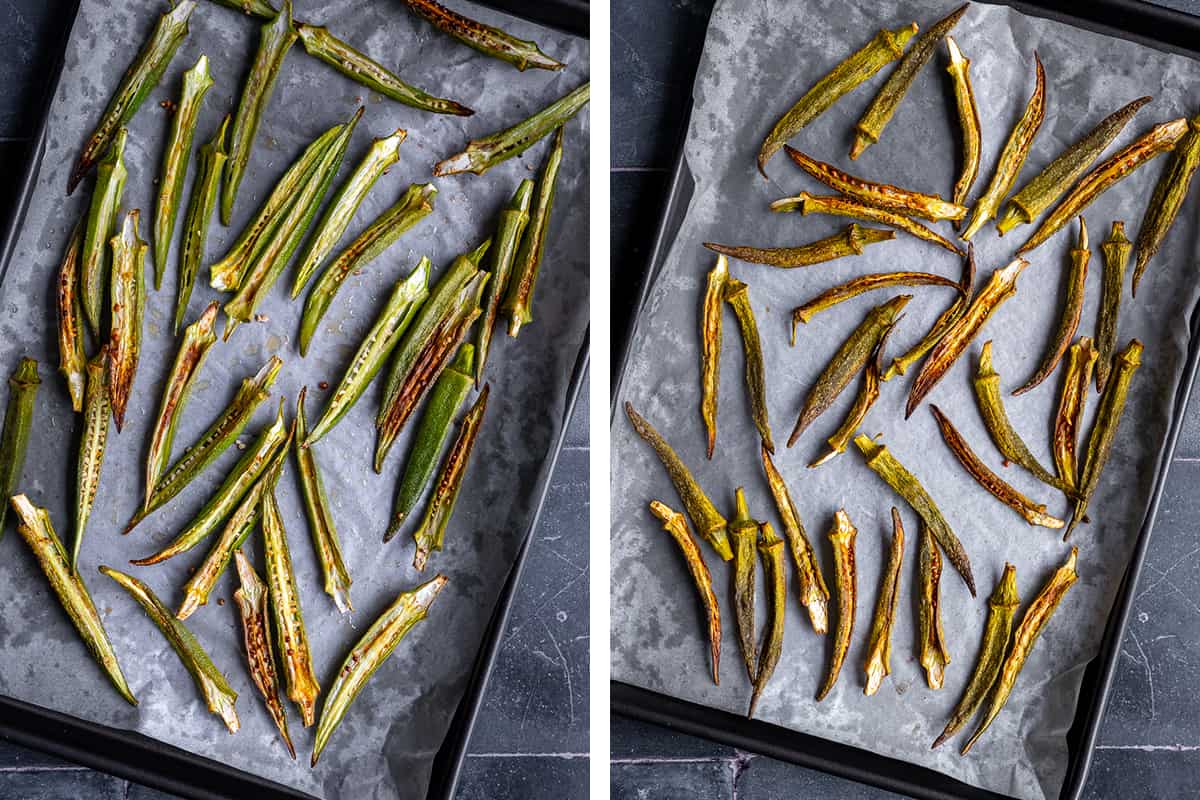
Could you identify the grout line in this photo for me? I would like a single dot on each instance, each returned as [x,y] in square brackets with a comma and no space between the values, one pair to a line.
[1150,748]
[565,756]
[638,169]
[677,760]
[64,768]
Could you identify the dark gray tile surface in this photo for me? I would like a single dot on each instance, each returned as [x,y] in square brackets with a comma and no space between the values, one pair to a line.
[531,738]
[1150,737]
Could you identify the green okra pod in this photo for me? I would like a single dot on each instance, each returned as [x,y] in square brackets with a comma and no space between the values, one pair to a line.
[933,653]
[850,241]
[102,219]
[845,566]
[860,285]
[72,360]
[203,200]
[485,39]
[879,648]
[842,206]
[23,385]
[1068,417]
[413,206]
[868,393]
[814,595]
[968,121]
[1115,251]
[138,81]
[508,238]
[445,400]
[432,531]
[743,535]
[483,154]
[92,445]
[942,325]
[370,652]
[518,302]
[711,326]
[1168,197]
[383,153]
[737,295]
[251,597]
[36,529]
[320,518]
[770,550]
[196,83]
[218,695]
[128,311]
[276,38]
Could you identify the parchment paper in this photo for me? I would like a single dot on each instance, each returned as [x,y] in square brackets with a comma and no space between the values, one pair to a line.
[758,59]
[385,745]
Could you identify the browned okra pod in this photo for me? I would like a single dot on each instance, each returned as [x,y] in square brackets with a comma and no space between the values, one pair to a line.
[743,531]
[1169,193]
[813,593]
[934,655]
[968,120]
[850,241]
[128,295]
[71,356]
[879,649]
[1071,401]
[710,347]
[1115,250]
[846,571]
[860,285]
[944,322]
[868,393]
[737,295]
[770,550]
[675,524]
[837,205]
[251,599]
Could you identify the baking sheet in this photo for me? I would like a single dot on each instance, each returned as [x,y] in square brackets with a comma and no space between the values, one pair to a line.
[386,744]
[749,74]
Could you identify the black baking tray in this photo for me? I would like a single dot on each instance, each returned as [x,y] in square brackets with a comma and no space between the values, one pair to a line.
[1129,19]
[135,757]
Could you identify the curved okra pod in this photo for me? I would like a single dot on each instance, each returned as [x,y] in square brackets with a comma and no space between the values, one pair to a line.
[879,648]
[138,81]
[904,483]
[36,529]
[1012,157]
[219,696]
[102,218]
[92,444]
[508,238]
[841,206]
[275,39]
[403,305]
[18,423]
[1026,636]
[1048,185]
[483,154]
[483,38]
[968,120]
[942,325]
[845,569]
[1168,197]
[1081,359]
[1000,287]
[711,318]
[738,296]
[675,524]
[1033,513]
[445,399]
[847,362]
[861,285]
[382,154]
[814,595]
[198,339]
[868,393]
[320,518]
[1154,142]
[203,200]
[429,536]
[519,299]
[934,654]
[251,597]
[770,550]
[1002,607]
[704,515]
[413,206]
[1115,250]
[870,126]
[850,241]
[128,294]
[743,534]
[71,358]
[196,83]
[370,652]
[222,433]
[884,48]
[245,473]
[880,195]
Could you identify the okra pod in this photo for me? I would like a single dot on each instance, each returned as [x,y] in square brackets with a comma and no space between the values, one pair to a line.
[770,550]
[251,597]
[92,445]
[1002,607]
[861,285]
[870,126]
[139,79]
[71,357]
[484,38]
[850,241]
[884,48]
[814,595]
[737,295]
[1012,157]
[968,120]
[201,203]
[1000,287]
[102,224]
[934,654]
[743,534]
[845,570]
[704,515]
[36,529]
[944,322]
[1048,185]
[847,361]
[275,39]
[711,333]
[481,155]
[518,301]
[255,8]
[196,83]
[675,524]
[128,310]
[402,307]
[413,206]
[1026,636]
[218,695]
[508,238]
[1081,359]
[23,385]
[383,153]
[841,206]
[879,647]
[370,652]
[320,518]
[904,483]
[868,393]
[1168,197]
[429,535]
[1115,250]
[1158,140]
[1033,513]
